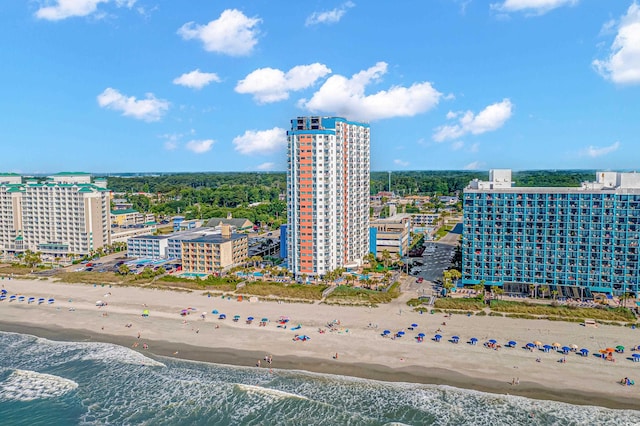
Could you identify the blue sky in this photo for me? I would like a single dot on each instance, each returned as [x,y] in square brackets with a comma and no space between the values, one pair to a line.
[166,85]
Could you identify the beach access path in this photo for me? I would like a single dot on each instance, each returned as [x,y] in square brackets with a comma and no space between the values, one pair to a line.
[355,335]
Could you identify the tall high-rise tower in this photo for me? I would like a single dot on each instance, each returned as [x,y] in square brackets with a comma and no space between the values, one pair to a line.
[327,194]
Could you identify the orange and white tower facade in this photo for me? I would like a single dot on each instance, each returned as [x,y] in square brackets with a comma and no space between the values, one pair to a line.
[328,179]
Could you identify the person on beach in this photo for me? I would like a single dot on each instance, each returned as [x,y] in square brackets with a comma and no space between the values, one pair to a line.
[258,363]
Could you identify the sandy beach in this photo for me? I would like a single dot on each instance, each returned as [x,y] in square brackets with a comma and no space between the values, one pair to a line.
[356,339]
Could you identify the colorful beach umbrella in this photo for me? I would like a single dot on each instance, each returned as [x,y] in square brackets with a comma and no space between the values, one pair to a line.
[620,348]
[493,341]
[473,340]
[455,339]
[530,345]
[574,346]
[556,344]
[566,349]
[512,343]
[537,343]
[584,352]
[264,320]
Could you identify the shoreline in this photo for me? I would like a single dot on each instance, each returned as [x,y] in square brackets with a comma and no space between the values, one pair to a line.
[407,374]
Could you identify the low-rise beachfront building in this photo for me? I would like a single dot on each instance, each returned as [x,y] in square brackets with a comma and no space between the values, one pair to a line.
[238,224]
[64,214]
[148,246]
[573,241]
[127,217]
[214,253]
[391,234]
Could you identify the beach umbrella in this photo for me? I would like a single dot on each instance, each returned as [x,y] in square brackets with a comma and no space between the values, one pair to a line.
[12,298]
[455,339]
[236,317]
[556,345]
[250,319]
[437,337]
[385,332]
[473,340]
[422,335]
[530,345]
[2,297]
[215,311]
[4,291]
[264,320]
[565,349]
[609,350]
[512,343]
[20,298]
[31,300]
[41,300]
[620,348]
[636,357]
[414,325]
[547,348]
[400,333]
[493,341]
[537,343]
[51,300]
[574,346]
[584,352]
[222,316]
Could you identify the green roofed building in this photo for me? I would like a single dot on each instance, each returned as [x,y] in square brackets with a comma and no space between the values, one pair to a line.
[65,214]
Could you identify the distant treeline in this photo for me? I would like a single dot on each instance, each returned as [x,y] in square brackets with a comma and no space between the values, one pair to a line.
[233,189]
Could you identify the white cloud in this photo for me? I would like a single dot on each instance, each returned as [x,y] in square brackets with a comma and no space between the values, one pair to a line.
[266,166]
[346,97]
[476,165]
[272,85]
[594,151]
[536,7]
[451,115]
[457,145]
[200,146]
[62,9]
[261,141]
[126,3]
[148,109]
[329,17]
[402,163]
[170,145]
[196,79]
[232,33]
[491,118]
[475,147]
[57,10]
[623,64]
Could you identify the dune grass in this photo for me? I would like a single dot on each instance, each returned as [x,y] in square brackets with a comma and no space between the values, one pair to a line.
[360,296]
[282,290]
[605,314]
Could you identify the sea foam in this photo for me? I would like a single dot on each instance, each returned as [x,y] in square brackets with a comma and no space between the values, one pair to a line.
[25,385]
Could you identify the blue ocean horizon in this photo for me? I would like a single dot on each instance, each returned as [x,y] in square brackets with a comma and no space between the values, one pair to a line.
[44,382]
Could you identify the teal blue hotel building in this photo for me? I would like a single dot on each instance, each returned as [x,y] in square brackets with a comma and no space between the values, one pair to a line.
[573,241]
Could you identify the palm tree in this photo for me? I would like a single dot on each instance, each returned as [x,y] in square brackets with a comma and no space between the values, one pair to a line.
[499,292]
[554,293]
[544,289]
[386,258]
[494,290]
[532,290]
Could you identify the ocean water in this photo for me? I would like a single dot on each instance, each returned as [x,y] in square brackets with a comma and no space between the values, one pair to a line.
[45,382]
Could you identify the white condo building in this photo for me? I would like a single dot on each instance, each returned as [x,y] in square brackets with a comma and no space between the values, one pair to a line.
[328,178]
[65,214]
